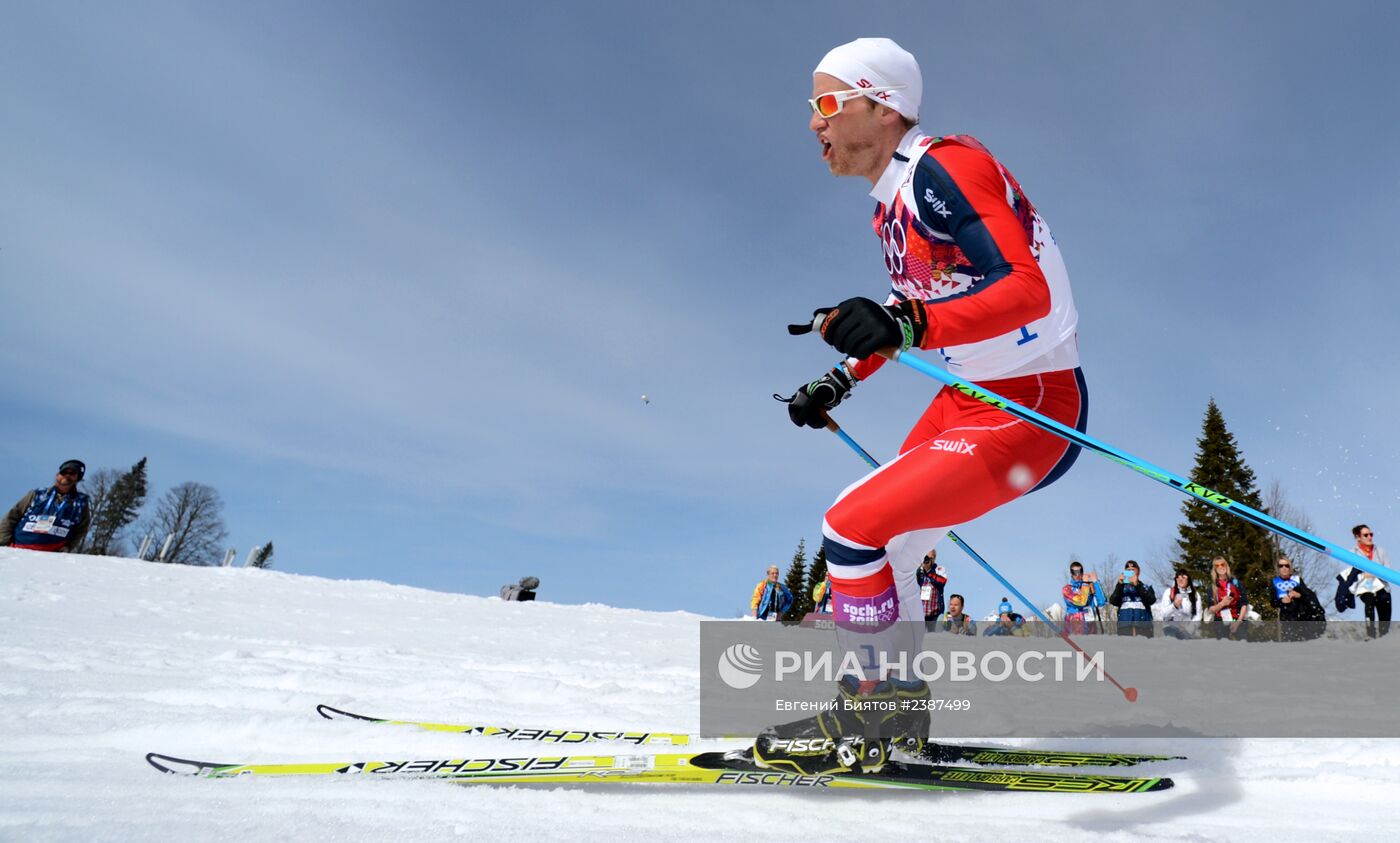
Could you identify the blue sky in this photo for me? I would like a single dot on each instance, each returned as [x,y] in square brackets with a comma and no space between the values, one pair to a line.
[393,277]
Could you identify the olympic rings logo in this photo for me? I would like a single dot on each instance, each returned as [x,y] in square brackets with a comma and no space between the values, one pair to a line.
[893,238]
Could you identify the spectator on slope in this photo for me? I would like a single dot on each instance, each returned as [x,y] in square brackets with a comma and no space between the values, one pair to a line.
[54,519]
[1300,615]
[957,622]
[1082,596]
[1373,591]
[1134,599]
[931,578]
[1231,604]
[1008,622]
[1181,612]
[522,591]
[821,596]
[770,597]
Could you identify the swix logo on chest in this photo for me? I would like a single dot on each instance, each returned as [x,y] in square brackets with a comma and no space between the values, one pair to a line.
[938,206]
[962,446]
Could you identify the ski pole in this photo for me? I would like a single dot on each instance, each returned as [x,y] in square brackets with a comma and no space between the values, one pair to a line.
[835,428]
[1161,475]
[1131,694]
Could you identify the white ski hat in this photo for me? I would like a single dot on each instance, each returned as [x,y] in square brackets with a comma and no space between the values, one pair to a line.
[875,63]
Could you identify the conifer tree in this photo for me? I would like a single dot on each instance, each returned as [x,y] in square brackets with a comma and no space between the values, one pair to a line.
[262,557]
[796,582]
[816,575]
[119,508]
[1208,532]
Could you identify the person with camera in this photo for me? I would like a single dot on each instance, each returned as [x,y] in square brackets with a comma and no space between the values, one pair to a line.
[1083,596]
[931,578]
[1133,598]
[1008,622]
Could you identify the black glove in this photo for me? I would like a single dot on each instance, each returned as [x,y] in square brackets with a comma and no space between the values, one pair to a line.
[859,327]
[809,404]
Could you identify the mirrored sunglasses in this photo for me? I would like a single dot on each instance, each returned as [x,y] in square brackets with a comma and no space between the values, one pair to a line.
[829,105]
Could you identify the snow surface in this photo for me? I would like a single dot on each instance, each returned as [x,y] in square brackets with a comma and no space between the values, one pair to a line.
[103,660]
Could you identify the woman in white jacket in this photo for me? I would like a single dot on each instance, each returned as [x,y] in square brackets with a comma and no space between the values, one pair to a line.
[1372,591]
[1181,609]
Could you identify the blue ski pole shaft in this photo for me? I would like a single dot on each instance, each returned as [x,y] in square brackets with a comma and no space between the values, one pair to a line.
[1161,475]
[835,428]
[976,557]
[1131,694]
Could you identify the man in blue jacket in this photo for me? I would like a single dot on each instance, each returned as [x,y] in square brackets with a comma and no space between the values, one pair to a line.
[53,519]
[771,599]
[1134,599]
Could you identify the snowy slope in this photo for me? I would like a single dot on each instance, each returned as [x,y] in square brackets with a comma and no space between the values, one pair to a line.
[103,660]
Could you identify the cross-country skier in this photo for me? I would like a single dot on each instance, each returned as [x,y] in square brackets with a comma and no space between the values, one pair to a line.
[977,277]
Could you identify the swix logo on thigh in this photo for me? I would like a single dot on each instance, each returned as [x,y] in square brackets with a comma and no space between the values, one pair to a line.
[962,446]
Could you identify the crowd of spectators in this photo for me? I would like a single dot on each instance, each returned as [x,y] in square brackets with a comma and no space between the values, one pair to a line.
[1218,608]
[1221,607]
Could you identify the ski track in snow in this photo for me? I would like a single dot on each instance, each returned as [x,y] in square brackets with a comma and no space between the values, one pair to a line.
[103,660]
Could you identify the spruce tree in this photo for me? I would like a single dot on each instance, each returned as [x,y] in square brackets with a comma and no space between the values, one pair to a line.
[262,557]
[1208,532]
[797,584]
[118,510]
[816,575]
